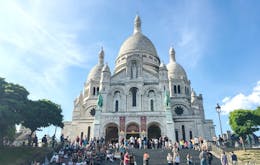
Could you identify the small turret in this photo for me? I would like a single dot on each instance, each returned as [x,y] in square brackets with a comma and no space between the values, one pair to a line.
[101,57]
[163,72]
[172,55]
[105,78]
[193,96]
[137,27]
[163,77]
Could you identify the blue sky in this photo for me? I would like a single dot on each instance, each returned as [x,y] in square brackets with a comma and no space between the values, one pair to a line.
[49,47]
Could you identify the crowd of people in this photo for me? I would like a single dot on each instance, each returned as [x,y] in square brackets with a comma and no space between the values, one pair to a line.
[82,151]
[95,150]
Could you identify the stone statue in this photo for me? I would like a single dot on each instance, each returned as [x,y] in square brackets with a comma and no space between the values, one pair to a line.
[100,100]
[167,98]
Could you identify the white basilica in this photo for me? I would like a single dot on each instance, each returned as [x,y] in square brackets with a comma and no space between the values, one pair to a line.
[142,97]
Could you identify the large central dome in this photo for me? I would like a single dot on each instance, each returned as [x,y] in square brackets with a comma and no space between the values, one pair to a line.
[137,44]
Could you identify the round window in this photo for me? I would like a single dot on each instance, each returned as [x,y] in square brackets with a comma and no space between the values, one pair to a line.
[92,112]
[179,110]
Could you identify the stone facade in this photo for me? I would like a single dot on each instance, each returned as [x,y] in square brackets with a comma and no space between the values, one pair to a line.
[143,97]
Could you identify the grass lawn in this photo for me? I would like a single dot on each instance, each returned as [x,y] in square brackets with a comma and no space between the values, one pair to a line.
[22,155]
[252,156]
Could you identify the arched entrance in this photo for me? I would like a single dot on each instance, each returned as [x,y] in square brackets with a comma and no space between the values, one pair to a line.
[111,133]
[132,130]
[154,131]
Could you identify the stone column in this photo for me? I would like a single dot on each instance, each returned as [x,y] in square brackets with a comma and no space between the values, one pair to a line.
[96,124]
[170,130]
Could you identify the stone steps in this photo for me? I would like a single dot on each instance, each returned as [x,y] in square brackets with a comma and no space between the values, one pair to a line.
[158,157]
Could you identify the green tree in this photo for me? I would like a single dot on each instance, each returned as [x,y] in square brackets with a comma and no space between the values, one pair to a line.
[16,108]
[13,100]
[42,113]
[257,113]
[244,122]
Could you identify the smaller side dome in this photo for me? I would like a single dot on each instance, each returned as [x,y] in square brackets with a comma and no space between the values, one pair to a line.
[95,73]
[175,70]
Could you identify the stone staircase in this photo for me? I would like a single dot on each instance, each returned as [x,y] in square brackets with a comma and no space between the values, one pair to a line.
[158,157]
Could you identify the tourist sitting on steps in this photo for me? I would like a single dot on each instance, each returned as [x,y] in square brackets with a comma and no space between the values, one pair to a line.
[110,155]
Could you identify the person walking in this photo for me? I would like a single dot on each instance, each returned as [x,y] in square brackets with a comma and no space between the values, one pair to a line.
[189,159]
[126,158]
[146,158]
[121,158]
[210,157]
[234,158]
[203,157]
[169,159]
[223,158]
[177,158]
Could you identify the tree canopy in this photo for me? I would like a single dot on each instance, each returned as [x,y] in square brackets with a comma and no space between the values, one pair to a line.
[244,122]
[42,113]
[16,108]
[13,100]
[257,113]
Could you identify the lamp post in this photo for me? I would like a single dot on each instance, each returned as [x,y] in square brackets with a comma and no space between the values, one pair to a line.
[218,109]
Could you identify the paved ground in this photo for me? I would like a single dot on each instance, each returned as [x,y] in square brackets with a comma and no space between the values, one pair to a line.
[158,157]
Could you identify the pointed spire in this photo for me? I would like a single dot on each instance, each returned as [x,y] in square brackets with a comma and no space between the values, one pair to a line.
[172,54]
[101,56]
[137,26]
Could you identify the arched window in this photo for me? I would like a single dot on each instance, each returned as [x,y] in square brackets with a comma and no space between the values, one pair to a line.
[191,135]
[97,90]
[89,129]
[175,89]
[176,135]
[94,91]
[151,105]
[179,89]
[116,106]
[134,91]
[183,132]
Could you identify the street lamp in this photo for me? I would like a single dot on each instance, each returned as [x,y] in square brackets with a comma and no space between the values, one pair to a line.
[218,109]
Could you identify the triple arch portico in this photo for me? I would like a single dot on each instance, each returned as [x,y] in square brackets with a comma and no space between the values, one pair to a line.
[126,129]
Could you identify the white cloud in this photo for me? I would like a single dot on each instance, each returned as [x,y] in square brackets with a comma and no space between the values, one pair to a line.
[193,33]
[242,101]
[225,99]
[36,50]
